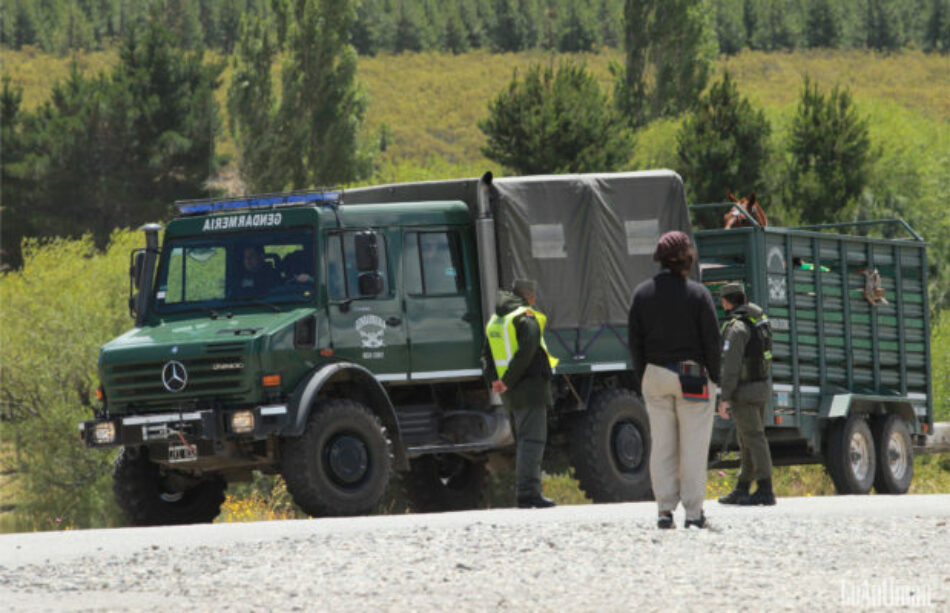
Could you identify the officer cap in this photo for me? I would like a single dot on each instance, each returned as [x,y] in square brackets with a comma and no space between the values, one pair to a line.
[732,288]
[522,286]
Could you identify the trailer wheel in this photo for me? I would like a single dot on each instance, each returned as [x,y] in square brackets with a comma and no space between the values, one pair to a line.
[149,497]
[610,448]
[342,462]
[444,482]
[850,459]
[895,455]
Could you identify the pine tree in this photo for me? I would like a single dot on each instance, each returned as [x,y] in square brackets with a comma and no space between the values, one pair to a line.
[310,136]
[937,33]
[730,31]
[882,26]
[723,145]
[831,155]
[555,121]
[577,28]
[115,149]
[822,26]
[676,38]
[251,106]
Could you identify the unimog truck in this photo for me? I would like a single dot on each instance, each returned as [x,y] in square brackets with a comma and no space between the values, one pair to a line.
[334,338]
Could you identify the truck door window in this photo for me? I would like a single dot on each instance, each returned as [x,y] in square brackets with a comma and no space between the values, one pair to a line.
[434,264]
[342,271]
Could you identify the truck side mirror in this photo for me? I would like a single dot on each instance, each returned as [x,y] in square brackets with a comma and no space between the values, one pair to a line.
[367,252]
[370,284]
[135,270]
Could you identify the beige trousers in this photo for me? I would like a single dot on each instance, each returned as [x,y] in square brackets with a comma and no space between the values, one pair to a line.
[680,430]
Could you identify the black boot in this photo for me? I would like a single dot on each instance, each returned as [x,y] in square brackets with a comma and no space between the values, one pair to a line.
[735,496]
[763,495]
[535,501]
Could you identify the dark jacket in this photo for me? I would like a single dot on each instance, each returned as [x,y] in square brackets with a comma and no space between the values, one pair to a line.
[673,319]
[529,371]
[736,366]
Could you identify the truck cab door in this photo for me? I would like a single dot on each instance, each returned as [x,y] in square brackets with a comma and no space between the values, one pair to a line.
[365,311]
[442,307]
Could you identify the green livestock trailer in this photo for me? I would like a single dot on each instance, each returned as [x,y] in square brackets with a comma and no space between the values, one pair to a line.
[852,369]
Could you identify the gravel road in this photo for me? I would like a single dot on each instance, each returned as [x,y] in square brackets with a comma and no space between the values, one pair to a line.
[816,554]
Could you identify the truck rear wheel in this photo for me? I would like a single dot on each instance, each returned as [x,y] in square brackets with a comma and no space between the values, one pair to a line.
[895,455]
[149,497]
[850,459]
[444,482]
[341,464]
[610,448]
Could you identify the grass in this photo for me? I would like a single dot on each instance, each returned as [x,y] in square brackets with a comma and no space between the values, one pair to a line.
[431,103]
[931,476]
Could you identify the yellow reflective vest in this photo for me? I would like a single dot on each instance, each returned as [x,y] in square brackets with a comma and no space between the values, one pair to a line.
[503,338]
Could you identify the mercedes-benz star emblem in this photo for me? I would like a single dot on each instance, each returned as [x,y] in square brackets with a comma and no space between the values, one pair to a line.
[174,376]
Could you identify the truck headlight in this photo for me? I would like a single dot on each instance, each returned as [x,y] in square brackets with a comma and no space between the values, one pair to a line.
[104,433]
[242,422]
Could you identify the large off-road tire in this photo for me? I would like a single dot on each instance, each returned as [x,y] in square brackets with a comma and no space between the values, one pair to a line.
[895,455]
[610,448]
[850,458]
[444,482]
[150,497]
[342,462]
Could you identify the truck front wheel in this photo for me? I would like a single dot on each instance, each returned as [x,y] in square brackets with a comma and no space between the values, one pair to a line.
[444,482]
[850,459]
[895,455]
[341,464]
[149,497]
[610,448]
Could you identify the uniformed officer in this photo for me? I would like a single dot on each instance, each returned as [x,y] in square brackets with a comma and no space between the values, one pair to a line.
[519,366]
[746,388]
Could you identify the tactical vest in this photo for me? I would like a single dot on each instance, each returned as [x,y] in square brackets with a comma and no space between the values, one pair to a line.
[503,338]
[757,359]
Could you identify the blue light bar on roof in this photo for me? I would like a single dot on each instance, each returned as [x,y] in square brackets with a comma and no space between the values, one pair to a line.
[264,201]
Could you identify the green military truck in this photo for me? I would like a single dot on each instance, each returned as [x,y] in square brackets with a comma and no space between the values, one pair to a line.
[851,370]
[334,338]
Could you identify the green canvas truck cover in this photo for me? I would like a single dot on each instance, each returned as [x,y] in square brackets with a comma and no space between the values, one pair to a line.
[587,239]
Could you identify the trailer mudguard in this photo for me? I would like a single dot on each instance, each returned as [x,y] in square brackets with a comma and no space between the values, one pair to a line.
[841,405]
[302,401]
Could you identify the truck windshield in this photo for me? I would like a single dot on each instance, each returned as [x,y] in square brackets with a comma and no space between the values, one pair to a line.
[227,271]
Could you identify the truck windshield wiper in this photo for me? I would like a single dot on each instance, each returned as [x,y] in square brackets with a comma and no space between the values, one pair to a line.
[257,302]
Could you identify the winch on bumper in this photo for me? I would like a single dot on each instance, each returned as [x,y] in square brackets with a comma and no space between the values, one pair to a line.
[189,434]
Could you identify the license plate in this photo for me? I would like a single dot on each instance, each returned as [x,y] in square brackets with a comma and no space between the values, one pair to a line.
[182,453]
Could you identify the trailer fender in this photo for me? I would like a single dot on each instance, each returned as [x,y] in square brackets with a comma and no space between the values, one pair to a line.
[842,405]
[304,397]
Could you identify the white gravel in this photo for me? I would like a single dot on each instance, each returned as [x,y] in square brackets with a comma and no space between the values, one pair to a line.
[814,554]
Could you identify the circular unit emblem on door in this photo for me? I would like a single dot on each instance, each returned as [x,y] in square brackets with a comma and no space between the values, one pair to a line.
[174,376]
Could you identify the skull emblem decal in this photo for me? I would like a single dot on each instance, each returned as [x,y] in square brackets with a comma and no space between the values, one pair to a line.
[371,329]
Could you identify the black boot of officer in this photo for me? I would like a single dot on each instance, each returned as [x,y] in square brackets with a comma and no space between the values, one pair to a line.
[735,496]
[535,501]
[763,495]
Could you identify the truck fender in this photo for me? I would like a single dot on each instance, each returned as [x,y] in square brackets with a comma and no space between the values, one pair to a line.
[302,401]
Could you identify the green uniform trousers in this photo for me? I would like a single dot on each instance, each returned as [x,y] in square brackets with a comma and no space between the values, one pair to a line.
[531,433]
[748,411]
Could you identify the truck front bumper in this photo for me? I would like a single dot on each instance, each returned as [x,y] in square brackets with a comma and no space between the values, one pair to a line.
[186,428]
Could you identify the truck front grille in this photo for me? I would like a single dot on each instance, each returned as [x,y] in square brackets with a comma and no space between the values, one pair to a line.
[218,375]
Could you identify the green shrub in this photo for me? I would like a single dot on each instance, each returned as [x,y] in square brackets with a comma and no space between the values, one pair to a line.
[66,301]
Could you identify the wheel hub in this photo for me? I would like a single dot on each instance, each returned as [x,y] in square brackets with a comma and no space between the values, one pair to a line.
[860,456]
[347,458]
[627,446]
[897,455]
